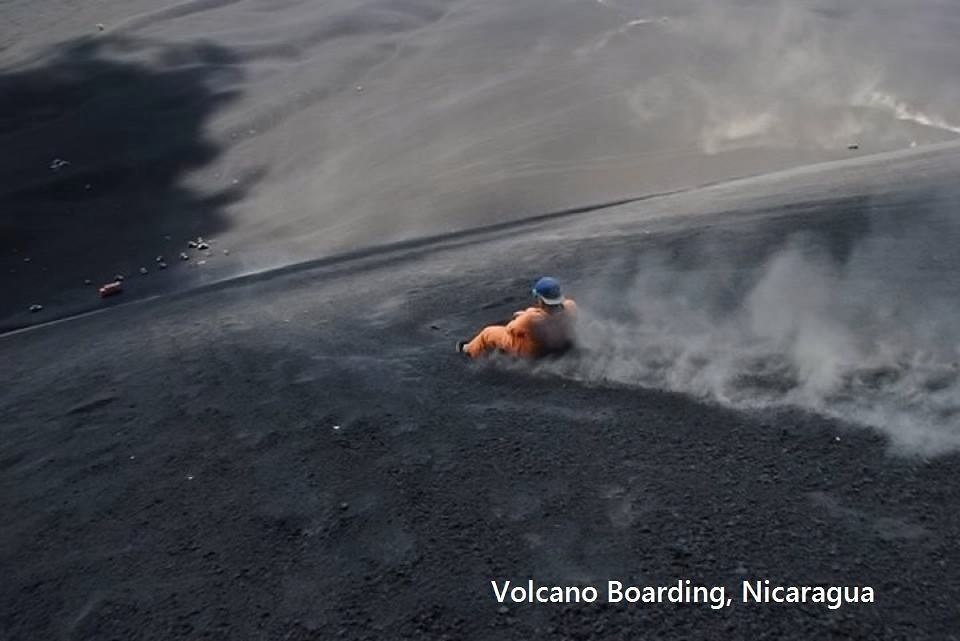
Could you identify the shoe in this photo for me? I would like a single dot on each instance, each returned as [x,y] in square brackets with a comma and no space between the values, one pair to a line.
[461,347]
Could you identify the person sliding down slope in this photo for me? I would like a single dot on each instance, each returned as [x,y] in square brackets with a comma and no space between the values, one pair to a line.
[546,328]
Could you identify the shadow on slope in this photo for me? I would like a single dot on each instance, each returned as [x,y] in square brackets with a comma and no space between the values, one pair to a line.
[99,135]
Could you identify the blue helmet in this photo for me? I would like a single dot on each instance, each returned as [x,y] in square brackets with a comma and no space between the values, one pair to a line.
[548,290]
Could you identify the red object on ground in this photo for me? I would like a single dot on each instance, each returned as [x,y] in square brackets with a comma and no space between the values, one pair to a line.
[111,289]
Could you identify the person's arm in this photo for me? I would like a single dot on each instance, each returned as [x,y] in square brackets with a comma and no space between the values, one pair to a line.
[507,321]
[520,326]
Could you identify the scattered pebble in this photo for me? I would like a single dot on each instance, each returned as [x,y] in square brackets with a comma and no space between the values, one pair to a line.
[503,609]
[100,26]
[359,88]
[58,163]
[88,282]
[344,505]
[158,259]
[336,427]
[837,439]
[88,186]
[162,265]
[853,147]
[183,256]
[27,259]
[118,277]
[226,252]
[133,458]
[199,243]
[143,271]
[201,262]
[189,477]
[36,308]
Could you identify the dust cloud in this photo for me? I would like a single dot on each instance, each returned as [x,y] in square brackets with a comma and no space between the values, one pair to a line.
[865,333]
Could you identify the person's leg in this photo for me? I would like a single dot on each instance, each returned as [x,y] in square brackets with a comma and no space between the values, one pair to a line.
[490,338]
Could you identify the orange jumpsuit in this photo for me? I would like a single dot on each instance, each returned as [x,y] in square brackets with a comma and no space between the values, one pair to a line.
[532,332]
